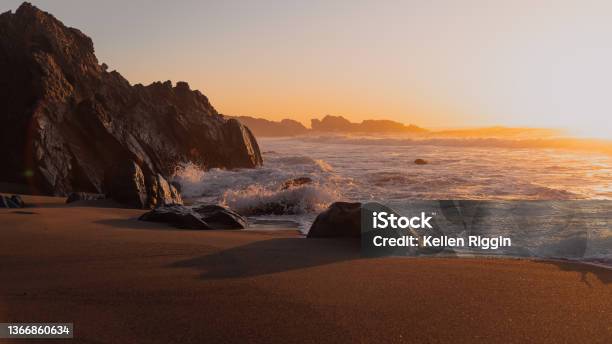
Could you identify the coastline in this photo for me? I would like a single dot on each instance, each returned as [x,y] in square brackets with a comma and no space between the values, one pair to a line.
[122,280]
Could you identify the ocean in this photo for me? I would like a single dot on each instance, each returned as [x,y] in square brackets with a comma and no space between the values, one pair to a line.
[382,169]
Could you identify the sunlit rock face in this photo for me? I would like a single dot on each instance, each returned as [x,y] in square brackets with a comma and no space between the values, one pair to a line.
[65,119]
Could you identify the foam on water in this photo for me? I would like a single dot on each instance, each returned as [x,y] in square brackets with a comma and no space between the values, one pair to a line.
[364,169]
[260,192]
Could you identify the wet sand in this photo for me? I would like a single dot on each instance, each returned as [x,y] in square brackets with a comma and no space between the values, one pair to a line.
[120,280]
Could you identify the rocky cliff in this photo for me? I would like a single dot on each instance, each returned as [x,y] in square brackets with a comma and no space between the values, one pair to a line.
[328,124]
[65,121]
[343,125]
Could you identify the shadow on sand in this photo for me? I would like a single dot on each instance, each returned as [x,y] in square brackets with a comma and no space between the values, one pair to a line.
[604,275]
[272,256]
[134,223]
[285,254]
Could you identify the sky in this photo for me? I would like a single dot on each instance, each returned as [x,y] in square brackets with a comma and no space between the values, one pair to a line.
[437,64]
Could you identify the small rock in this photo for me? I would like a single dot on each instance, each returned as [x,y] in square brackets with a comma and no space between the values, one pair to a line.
[18,201]
[219,217]
[7,202]
[178,216]
[341,219]
[84,196]
[420,162]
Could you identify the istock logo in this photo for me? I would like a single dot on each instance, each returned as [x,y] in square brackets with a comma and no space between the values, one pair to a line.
[382,220]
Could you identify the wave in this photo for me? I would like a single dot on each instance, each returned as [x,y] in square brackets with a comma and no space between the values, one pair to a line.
[259,200]
[302,160]
[263,190]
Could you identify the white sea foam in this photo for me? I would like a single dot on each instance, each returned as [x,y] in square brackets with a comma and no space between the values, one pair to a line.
[260,200]
[261,191]
[362,169]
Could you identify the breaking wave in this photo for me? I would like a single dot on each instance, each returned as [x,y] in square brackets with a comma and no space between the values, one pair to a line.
[262,191]
[259,200]
[341,168]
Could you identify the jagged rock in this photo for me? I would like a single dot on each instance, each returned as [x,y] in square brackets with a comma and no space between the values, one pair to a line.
[341,219]
[84,196]
[162,193]
[65,118]
[291,183]
[125,183]
[17,200]
[177,186]
[265,128]
[128,184]
[420,162]
[219,217]
[177,216]
[198,217]
[341,124]
[11,202]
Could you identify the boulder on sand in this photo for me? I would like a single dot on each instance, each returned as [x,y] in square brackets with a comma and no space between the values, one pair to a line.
[17,200]
[176,216]
[11,202]
[341,219]
[197,217]
[220,217]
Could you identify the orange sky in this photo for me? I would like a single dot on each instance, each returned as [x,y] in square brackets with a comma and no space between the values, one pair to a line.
[540,63]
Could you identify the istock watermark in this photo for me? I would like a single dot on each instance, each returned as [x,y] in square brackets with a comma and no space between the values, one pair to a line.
[390,220]
[574,230]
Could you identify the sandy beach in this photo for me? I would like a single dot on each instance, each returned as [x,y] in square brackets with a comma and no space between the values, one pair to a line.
[120,280]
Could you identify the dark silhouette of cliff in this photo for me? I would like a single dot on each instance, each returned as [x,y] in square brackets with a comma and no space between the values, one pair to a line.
[343,125]
[263,127]
[65,120]
[328,124]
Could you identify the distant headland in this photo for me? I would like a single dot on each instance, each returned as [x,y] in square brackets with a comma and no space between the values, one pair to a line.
[338,124]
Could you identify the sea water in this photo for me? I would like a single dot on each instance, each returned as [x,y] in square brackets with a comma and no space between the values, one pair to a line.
[349,168]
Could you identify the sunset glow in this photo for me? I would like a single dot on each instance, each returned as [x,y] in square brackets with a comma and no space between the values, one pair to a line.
[439,64]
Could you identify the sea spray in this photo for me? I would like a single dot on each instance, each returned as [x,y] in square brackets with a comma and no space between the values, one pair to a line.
[260,191]
[191,178]
[259,200]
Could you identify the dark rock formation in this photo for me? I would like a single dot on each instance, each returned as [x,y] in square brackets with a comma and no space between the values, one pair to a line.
[420,162]
[177,186]
[265,128]
[343,125]
[125,183]
[291,183]
[64,119]
[17,200]
[198,217]
[84,196]
[336,124]
[11,202]
[219,217]
[176,216]
[341,219]
[333,123]
[161,192]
